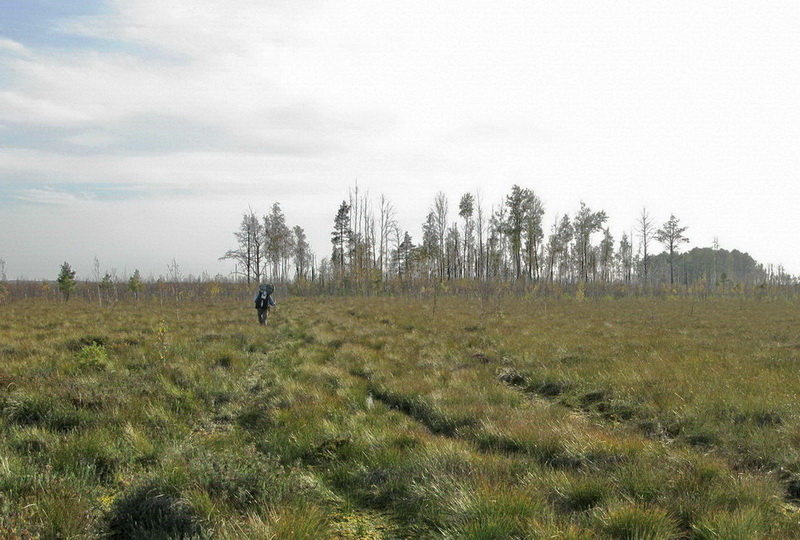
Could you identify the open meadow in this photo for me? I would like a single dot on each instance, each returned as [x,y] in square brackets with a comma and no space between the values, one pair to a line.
[389,418]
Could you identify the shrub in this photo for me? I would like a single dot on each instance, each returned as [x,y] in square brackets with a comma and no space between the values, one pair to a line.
[92,357]
[152,511]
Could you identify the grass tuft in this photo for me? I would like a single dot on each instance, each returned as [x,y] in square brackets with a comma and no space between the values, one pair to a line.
[743,525]
[154,511]
[580,493]
[629,522]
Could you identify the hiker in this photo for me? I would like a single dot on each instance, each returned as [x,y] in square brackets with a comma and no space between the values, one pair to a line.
[264,301]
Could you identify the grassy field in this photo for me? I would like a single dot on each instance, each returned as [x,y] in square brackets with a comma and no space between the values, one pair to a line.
[389,418]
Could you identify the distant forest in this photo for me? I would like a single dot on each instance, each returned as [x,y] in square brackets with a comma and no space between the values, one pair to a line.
[463,248]
[508,243]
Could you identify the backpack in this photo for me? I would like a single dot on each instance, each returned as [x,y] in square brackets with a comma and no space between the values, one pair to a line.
[262,300]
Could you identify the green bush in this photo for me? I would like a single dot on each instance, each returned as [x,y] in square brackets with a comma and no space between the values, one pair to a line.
[92,357]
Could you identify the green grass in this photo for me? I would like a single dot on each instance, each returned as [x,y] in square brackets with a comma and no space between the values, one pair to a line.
[396,418]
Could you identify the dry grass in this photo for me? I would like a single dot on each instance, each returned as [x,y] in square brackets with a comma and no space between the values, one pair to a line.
[401,418]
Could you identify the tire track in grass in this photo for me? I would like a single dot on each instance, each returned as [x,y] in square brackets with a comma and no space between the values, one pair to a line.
[455,424]
[602,406]
[549,451]
[656,472]
[279,409]
[558,456]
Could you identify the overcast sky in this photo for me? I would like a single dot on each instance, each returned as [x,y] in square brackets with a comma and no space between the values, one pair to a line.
[139,131]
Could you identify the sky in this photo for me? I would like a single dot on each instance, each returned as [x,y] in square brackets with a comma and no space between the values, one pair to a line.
[137,132]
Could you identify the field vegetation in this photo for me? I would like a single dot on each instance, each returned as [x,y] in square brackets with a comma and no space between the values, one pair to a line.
[401,417]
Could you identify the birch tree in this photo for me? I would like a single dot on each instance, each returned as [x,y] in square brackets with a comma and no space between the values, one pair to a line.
[606,255]
[644,226]
[513,225]
[440,211]
[585,224]
[388,221]
[533,233]
[466,208]
[302,253]
[249,251]
[625,258]
[278,242]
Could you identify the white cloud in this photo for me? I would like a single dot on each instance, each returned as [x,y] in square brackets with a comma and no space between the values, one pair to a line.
[680,107]
[94,139]
[13,47]
[47,197]
[19,108]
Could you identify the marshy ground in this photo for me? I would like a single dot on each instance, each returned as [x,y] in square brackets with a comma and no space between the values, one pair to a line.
[381,418]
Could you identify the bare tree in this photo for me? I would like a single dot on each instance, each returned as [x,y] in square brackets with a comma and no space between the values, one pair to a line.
[645,228]
[387,217]
[175,277]
[249,252]
[440,219]
[398,239]
[466,208]
[480,258]
[671,236]
[96,275]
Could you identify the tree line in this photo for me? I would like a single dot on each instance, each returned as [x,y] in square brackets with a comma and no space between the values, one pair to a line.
[268,248]
[507,243]
[109,287]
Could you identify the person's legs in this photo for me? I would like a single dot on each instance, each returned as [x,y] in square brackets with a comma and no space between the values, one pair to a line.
[262,316]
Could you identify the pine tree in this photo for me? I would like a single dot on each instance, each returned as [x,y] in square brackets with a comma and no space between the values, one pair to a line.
[135,284]
[341,238]
[671,236]
[66,280]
